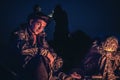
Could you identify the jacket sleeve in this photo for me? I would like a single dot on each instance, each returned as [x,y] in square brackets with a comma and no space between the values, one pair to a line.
[47,49]
[23,45]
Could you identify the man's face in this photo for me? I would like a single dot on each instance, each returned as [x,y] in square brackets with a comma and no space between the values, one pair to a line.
[38,26]
[111,44]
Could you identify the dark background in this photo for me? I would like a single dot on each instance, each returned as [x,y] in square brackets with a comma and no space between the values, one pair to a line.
[94,17]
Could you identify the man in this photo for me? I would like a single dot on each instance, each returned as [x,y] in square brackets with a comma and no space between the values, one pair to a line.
[103,60]
[36,57]
[110,58]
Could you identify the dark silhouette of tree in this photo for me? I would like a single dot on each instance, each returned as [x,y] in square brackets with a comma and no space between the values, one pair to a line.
[61,25]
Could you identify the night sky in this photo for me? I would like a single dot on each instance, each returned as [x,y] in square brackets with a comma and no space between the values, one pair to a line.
[94,17]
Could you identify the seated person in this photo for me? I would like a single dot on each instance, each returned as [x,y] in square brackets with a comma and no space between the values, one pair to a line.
[36,57]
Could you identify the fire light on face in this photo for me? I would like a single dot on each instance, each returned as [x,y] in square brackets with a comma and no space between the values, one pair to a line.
[111,44]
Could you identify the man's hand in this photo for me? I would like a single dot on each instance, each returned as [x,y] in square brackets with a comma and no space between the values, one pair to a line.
[46,53]
[75,75]
[51,58]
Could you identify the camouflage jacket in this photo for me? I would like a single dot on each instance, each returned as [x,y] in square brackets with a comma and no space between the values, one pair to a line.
[24,44]
[109,65]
